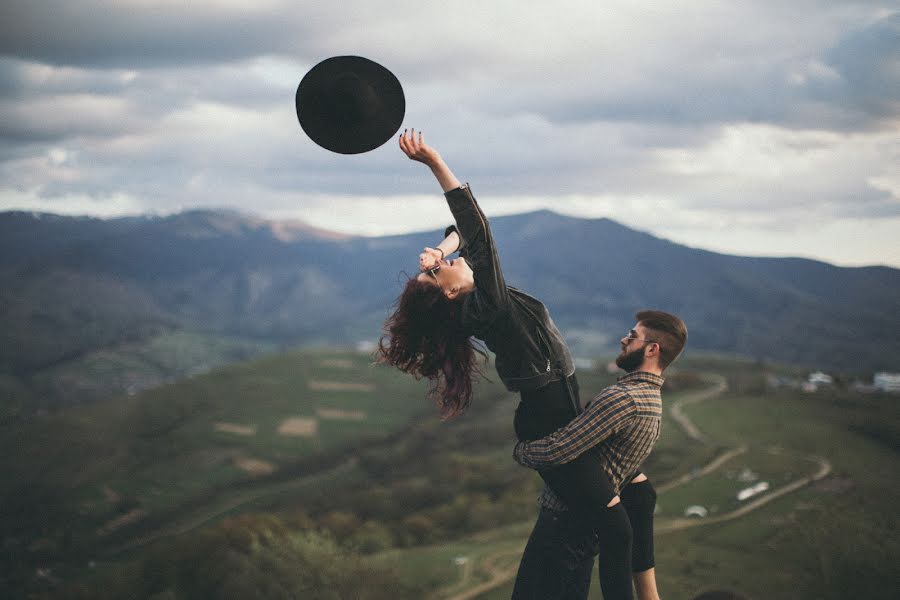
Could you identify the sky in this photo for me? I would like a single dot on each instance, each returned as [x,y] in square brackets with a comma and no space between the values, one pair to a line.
[763,128]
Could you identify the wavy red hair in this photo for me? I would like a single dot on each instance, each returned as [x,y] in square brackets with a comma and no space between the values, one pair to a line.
[424,336]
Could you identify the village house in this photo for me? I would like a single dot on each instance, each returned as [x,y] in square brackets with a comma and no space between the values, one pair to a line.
[887,382]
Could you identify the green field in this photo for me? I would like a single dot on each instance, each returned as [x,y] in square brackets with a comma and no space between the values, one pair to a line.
[125,368]
[200,443]
[251,464]
[835,538]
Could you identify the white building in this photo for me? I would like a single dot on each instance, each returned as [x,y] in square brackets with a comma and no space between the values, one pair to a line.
[815,381]
[887,382]
[696,511]
[820,378]
[755,490]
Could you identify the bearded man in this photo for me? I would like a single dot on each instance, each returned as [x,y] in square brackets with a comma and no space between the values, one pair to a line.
[619,427]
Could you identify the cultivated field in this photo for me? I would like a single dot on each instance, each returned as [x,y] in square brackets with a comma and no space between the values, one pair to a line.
[324,443]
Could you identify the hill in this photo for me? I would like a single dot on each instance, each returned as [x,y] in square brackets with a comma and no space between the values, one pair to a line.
[72,287]
[260,477]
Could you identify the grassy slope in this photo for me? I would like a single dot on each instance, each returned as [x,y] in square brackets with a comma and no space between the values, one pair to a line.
[158,452]
[798,547]
[130,367]
[834,539]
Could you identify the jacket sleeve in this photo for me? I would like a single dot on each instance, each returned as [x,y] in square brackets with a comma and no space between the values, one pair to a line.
[611,411]
[477,245]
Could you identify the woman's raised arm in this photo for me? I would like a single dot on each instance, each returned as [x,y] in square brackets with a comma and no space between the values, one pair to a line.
[414,146]
[475,238]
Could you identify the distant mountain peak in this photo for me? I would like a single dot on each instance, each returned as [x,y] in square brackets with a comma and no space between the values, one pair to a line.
[543,223]
[207,223]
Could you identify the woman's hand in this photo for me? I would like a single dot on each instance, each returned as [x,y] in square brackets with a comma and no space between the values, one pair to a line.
[414,146]
[430,258]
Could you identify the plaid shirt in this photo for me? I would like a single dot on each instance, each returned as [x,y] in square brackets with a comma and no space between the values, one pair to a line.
[623,421]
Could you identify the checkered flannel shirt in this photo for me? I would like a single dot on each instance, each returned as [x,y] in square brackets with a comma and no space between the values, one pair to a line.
[623,421]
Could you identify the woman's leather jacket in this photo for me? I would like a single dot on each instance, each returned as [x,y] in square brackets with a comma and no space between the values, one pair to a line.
[530,351]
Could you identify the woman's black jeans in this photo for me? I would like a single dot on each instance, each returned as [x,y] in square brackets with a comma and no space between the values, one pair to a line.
[592,527]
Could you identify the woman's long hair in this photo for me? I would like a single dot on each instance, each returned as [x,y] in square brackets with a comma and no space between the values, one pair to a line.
[424,336]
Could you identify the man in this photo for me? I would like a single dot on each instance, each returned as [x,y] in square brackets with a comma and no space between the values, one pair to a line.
[619,427]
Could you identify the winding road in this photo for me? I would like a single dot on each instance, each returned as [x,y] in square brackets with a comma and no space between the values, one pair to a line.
[498,576]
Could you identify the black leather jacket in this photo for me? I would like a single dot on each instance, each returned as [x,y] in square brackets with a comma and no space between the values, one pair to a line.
[517,328]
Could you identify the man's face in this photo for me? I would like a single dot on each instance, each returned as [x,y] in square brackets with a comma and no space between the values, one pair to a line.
[633,344]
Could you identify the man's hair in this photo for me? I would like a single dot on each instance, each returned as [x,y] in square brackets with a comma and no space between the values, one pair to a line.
[669,332]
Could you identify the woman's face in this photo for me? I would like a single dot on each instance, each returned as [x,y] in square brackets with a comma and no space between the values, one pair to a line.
[454,277]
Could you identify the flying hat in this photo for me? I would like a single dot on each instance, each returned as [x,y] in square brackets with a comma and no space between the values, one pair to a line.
[350,104]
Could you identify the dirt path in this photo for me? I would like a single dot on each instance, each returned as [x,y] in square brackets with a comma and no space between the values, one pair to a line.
[679,524]
[693,432]
[714,464]
[499,576]
[683,421]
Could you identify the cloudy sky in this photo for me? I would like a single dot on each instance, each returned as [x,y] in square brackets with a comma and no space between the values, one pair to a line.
[759,128]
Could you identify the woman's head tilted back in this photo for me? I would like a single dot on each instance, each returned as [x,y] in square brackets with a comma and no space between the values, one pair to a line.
[454,277]
[424,336]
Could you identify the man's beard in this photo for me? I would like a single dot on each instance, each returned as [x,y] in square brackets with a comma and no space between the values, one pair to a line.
[630,361]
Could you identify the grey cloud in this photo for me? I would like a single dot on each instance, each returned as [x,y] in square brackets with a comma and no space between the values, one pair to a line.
[584,119]
[23,80]
[713,81]
[126,34]
[55,118]
[683,78]
[92,32]
[868,62]
[230,83]
[837,191]
[43,103]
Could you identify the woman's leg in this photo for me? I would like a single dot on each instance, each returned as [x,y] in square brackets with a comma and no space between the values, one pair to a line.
[548,569]
[584,488]
[614,556]
[639,500]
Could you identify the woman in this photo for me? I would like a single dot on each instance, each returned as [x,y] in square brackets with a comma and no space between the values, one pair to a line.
[430,335]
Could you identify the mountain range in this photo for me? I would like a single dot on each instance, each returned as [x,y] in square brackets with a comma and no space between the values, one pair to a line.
[72,286]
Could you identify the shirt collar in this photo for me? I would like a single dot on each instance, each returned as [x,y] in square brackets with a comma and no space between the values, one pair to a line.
[642,377]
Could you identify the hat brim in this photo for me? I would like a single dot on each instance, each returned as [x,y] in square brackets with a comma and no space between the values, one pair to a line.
[318,120]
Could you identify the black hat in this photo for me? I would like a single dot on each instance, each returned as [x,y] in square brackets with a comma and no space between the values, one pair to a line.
[350,104]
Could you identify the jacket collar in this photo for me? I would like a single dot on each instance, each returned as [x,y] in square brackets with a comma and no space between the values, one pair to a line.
[642,377]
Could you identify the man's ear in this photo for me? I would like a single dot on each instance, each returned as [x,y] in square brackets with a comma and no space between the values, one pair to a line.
[452,293]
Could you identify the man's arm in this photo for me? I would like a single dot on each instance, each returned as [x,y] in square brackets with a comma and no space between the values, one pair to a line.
[607,414]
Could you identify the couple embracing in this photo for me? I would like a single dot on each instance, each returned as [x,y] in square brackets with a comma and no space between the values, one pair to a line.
[596,501]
